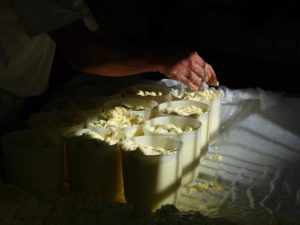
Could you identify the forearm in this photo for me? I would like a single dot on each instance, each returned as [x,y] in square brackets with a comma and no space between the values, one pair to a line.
[104,56]
[96,54]
[113,58]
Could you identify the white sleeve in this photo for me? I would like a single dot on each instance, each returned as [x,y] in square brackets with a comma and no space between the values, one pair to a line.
[40,16]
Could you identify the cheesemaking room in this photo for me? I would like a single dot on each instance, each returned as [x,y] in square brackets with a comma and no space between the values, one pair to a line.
[149,112]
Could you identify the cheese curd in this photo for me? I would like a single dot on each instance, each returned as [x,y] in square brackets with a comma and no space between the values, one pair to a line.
[118,117]
[204,94]
[133,107]
[169,129]
[130,145]
[111,137]
[148,93]
[183,110]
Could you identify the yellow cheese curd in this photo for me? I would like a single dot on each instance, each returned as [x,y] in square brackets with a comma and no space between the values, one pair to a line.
[130,145]
[118,117]
[112,137]
[204,94]
[148,93]
[183,110]
[123,115]
[169,129]
[150,150]
[133,107]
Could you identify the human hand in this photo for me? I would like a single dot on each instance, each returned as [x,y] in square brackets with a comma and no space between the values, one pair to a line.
[189,68]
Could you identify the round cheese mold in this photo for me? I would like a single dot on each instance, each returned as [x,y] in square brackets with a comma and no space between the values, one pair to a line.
[144,108]
[193,109]
[211,96]
[151,180]
[94,163]
[119,119]
[191,147]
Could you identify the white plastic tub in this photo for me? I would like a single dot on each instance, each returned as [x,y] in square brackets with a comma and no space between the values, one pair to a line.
[132,112]
[94,166]
[211,96]
[152,180]
[126,131]
[202,117]
[191,147]
[134,102]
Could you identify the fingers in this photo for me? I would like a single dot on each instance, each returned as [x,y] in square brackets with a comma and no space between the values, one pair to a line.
[202,69]
[188,83]
[194,78]
[192,71]
[206,74]
[213,77]
[189,78]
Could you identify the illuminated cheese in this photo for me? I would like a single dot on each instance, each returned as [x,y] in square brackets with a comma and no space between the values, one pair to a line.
[214,98]
[118,117]
[204,94]
[129,145]
[133,107]
[183,110]
[112,137]
[148,93]
[169,129]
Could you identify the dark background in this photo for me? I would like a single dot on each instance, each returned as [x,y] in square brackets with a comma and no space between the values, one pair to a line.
[249,43]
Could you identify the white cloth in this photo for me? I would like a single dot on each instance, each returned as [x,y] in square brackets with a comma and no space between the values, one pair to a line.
[26,51]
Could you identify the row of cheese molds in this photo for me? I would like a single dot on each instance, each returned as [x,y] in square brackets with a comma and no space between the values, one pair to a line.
[96,166]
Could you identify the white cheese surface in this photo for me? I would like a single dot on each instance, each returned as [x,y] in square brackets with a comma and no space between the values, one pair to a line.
[169,129]
[130,145]
[148,93]
[183,110]
[111,137]
[204,94]
[118,117]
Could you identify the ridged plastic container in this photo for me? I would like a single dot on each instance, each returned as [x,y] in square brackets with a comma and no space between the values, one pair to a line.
[203,118]
[215,111]
[191,142]
[149,105]
[126,132]
[94,166]
[215,117]
[152,180]
[146,113]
